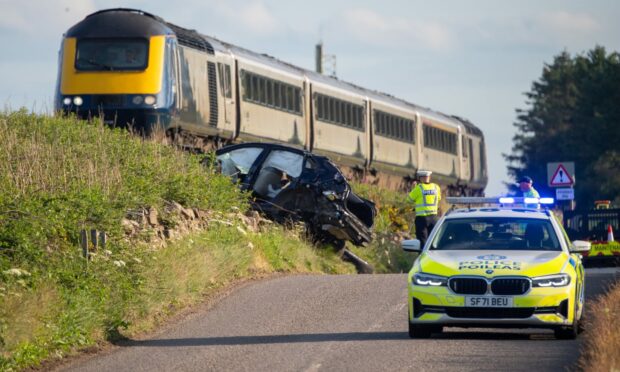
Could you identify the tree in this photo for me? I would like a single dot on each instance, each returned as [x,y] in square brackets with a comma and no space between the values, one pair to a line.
[573,115]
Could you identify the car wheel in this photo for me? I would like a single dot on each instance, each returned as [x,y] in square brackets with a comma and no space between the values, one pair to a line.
[423,331]
[571,332]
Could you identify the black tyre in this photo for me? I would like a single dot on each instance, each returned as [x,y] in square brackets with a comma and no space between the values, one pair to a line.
[423,331]
[566,333]
[570,332]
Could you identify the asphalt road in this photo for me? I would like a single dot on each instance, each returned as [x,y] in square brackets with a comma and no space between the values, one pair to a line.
[333,323]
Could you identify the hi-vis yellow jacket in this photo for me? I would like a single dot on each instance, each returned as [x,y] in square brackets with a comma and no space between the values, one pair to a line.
[426,197]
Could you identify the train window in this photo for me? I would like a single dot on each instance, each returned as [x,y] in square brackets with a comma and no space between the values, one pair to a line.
[392,132]
[394,127]
[283,98]
[351,116]
[277,102]
[339,112]
[439,139]
[261,90]
[223,71]
[269,101]
[247,83]
[255,88]
[111,54]
[290,92]
[329,105]
[464,147]
[297,100]
[272,93]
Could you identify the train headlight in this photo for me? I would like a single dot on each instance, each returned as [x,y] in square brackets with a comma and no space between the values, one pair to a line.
[66,101]
[77,100]
[137,100]
[150,100]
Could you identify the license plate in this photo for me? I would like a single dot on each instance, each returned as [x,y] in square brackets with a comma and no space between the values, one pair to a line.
[488,301]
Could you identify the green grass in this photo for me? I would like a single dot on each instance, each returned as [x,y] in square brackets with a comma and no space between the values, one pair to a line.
[394,222]
[61,175]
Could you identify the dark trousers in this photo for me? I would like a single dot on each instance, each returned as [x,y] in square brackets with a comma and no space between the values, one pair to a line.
[423,227]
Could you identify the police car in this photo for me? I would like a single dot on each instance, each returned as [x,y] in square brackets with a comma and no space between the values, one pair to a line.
[506,265]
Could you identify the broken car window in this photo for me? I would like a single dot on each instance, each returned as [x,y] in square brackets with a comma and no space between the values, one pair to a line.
[238,162]
[278,170]
[288,162]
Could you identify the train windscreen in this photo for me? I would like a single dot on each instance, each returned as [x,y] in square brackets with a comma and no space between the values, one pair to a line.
[111,54]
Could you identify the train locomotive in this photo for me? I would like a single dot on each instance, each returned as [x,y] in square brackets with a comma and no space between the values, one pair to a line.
[134,69]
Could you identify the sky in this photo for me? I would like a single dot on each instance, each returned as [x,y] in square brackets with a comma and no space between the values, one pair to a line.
[474,59]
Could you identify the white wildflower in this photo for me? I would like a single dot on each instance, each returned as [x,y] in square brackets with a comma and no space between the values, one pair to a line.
[119,263]
[16,272]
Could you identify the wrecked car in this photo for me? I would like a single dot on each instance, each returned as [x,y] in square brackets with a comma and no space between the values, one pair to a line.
[290,184]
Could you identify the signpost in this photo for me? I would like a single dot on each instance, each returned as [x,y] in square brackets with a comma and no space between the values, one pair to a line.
[564,194]
[562,176]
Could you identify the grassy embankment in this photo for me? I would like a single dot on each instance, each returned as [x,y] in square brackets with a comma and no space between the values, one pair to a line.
[600,350]
[393,223]
[58,176]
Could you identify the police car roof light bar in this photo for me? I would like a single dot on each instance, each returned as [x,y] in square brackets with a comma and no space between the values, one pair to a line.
[497,200]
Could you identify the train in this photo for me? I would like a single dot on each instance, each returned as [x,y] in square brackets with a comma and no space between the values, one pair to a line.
[133,69]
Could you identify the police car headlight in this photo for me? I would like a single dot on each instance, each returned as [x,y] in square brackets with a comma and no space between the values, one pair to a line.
[77,100]
[429,280]
[558,280]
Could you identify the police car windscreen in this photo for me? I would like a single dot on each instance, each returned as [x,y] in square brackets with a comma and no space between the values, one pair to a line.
[496,233]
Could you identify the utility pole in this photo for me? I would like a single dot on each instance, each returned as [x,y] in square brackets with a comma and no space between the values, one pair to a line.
[318,58]
[322,61]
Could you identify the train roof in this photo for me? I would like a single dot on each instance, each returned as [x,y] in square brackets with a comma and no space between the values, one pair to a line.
[123,22]
[137,23]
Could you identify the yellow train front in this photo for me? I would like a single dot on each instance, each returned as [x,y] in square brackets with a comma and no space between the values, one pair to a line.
[119,65]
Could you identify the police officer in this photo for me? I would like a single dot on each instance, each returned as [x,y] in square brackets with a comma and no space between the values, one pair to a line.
[528,191]
[526,188]
[426,196]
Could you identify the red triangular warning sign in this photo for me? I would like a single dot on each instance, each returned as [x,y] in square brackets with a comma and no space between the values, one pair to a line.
[561,177]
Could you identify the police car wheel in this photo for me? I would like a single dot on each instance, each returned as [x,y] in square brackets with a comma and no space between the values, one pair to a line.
[423,331]
[570,332]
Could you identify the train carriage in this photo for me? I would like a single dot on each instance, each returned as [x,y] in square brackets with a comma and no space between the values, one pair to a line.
[395,141]
[339,122]
[136,70]
[440,137]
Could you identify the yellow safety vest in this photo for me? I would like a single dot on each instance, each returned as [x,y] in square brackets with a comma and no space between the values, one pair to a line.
[426,197]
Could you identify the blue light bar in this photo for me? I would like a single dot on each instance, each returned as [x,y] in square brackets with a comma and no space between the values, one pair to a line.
[530,200]
[507,200]
[546,200]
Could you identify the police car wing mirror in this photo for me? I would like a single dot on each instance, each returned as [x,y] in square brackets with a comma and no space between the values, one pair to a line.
[412,245]
[580,246]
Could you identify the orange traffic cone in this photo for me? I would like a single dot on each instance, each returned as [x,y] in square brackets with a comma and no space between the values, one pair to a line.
[610,234]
